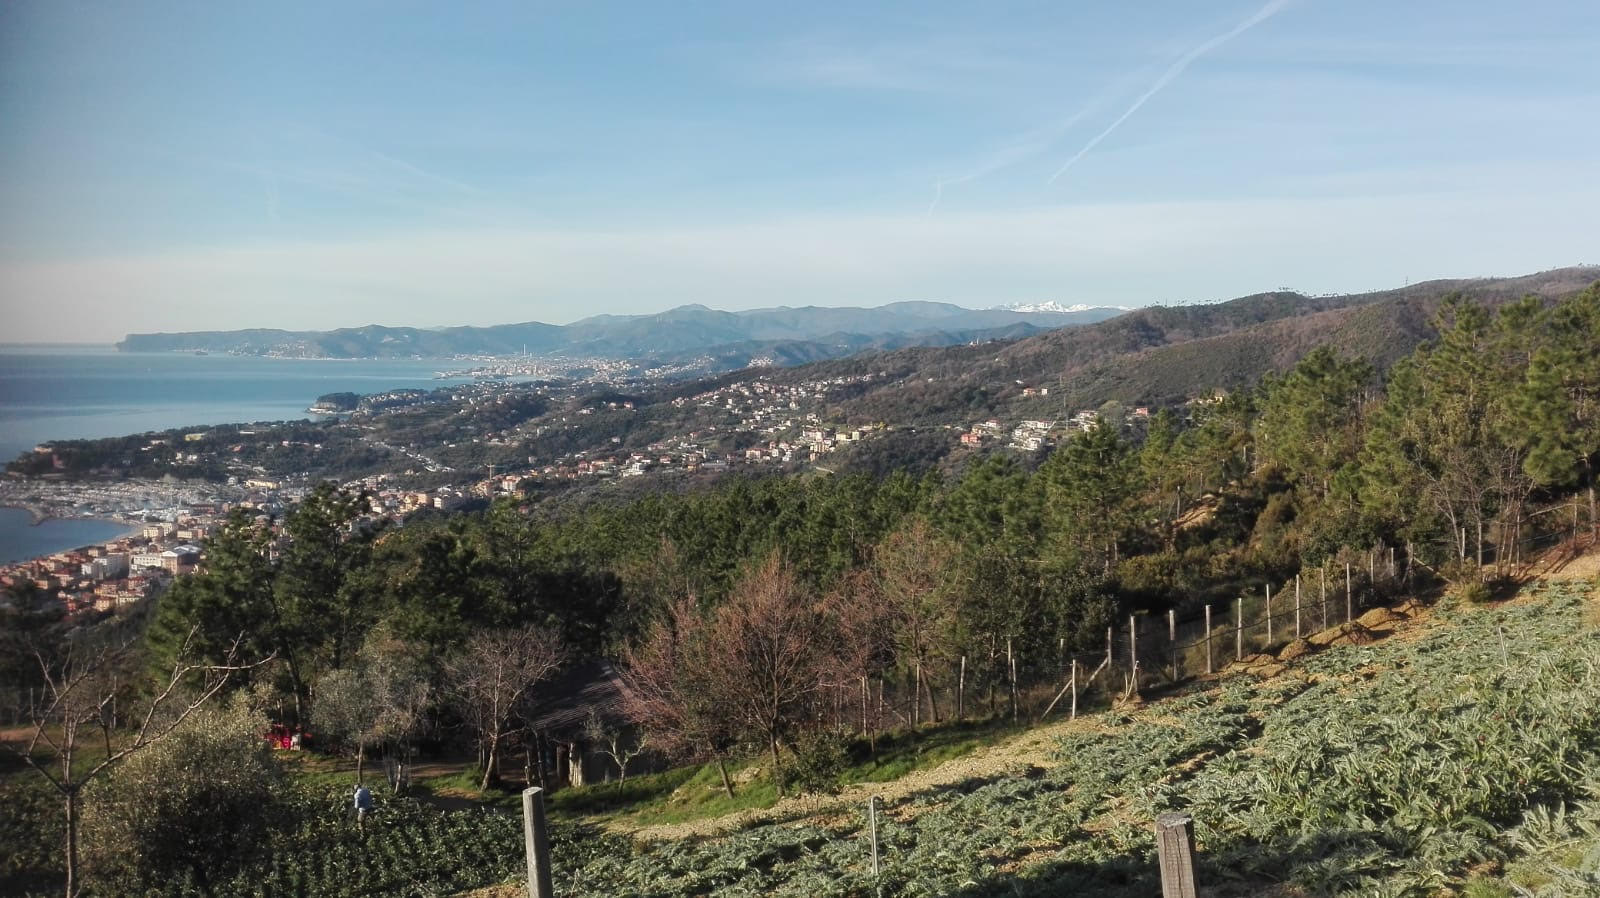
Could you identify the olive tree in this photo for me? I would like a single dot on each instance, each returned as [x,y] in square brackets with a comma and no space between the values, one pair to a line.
[183,808]
[84,674]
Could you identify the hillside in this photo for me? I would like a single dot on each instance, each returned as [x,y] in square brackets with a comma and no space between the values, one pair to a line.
[1166,354]
[686,329]
[1442,758]
[1457,750]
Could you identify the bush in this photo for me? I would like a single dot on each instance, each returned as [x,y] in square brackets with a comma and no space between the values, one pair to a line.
[1466,585]
[1471,593]
[820,759]
[188,807]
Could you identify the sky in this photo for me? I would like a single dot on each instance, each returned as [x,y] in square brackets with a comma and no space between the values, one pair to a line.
[216,165]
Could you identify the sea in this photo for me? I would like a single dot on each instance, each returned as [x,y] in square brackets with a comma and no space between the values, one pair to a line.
[54,392]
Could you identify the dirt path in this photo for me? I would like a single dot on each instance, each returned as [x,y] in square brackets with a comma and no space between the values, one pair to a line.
[1571,560]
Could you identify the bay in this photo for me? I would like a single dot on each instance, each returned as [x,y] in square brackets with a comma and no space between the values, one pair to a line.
[57,392]
[21,539]
[85,392]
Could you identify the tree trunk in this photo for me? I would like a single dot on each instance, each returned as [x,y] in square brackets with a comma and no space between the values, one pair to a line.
[361,755]
[776,779]
[493,760]
[722,768]
[933,706]
[916,696]
[294,682]
[72,843]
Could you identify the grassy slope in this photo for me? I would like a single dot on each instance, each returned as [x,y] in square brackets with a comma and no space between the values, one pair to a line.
[1403,767]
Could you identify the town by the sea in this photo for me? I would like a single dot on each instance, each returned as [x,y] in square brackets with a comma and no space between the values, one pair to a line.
[84,392]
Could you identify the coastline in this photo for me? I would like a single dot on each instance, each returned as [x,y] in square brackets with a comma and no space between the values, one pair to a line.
[38,515]
[30,544]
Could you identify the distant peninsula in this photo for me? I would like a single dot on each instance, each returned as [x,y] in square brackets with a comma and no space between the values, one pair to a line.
[824,332]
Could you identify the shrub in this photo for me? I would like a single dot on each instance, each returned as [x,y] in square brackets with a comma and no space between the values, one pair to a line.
[820,759]
[1465,583]
[191,806]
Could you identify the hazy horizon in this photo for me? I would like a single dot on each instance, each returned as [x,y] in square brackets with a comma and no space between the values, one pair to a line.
[304,167]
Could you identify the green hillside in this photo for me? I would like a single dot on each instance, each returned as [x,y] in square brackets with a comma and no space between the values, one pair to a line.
[1460,752]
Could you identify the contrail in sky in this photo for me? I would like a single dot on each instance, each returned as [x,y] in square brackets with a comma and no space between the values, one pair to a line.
[1261,15]
[1025,147]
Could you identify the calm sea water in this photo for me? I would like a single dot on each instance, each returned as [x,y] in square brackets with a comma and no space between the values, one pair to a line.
[21,539]
[78,392]
[71,392]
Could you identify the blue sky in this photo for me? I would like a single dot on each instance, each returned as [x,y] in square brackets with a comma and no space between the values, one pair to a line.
[184,166]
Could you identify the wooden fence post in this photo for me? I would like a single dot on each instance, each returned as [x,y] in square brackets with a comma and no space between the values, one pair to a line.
[1296,606]
[1175,848]
[1322,571]
[1238,629]
[866,703]
[1349,602]
[1133,654]
[1172,639]
[1269,617]
[1108,653]
[1208,639]
[536,841]
[1074,686]
[1011,664]
[961,690]
[872,825]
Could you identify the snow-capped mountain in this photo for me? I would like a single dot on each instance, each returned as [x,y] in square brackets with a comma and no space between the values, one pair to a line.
[1052,307]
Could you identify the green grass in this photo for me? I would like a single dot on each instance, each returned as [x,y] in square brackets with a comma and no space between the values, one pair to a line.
[635,793]
[696,793]
[903,752]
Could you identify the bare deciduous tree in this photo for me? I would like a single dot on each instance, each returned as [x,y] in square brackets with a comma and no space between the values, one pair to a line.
[669,693]
[751,669]
[864,623]
[495,675]
[916,573]
[768,653]
[82,682]
[612,741]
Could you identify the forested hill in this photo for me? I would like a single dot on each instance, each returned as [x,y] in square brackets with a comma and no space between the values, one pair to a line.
[1165,354]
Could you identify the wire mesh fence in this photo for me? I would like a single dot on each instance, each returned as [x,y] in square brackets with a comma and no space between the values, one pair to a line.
[1151,651]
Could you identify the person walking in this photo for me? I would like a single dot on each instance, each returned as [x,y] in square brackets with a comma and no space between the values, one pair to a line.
[363,807]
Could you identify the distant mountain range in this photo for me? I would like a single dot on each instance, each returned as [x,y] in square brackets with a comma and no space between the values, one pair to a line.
[1162,355]
[784,335]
